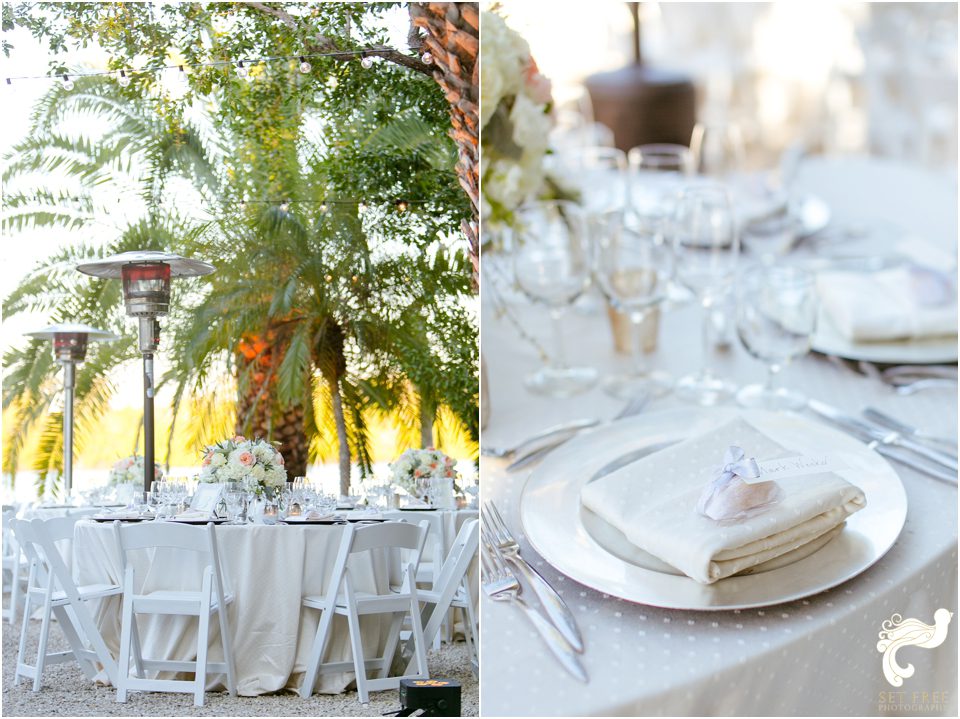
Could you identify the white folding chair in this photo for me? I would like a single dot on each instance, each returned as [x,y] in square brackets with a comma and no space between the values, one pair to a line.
[343,598]
[214,596]
[451,590]
[51,585]
[13,565]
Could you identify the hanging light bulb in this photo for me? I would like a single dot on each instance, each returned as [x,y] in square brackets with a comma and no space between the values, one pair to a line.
[243,205]
[182,74]
[323,208]
[124,80]
[305,67]
[67,83]
[362,207]
[402,206]
[427,58]
[285,205]
[366,62]
[241,70]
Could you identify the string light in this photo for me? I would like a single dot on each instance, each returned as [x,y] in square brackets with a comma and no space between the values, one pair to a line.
[362,206]
[305,67]
[285,205]
[124,80]
[401,205]
[324,208]
[427,58]
[67,83]
[242,66]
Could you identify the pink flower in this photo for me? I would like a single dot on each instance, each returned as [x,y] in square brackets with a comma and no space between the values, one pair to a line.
[246,459]
[538,85]
[431,449]
[448,461]
[207,459]
[239,438]
[449,472]
[128,462]
[279,459]
[418,473]
[432,465]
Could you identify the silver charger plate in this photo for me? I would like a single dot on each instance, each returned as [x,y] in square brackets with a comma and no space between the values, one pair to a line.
[592,554]
[933,350]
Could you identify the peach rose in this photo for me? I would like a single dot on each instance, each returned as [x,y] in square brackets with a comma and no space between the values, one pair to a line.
[279,459]
[239,438]
[247,459]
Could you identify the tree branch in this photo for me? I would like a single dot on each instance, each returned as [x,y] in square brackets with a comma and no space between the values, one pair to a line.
[324,44]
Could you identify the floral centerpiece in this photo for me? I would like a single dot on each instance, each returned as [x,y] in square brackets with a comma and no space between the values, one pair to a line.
[420,464]
[254,462]
[515,117]
[130,469]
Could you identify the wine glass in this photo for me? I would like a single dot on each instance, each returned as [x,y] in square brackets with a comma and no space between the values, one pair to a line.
[717,149]
[632,270]
[776,318]
[658,173]
[234,494]
[596,174]
[551,263]
[707,248]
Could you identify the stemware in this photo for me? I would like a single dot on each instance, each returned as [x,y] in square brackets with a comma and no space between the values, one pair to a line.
[551,263]
[707,248]
[633,271]
[717,149]
[234,494]
[596,174]
[776,318]
[657,174]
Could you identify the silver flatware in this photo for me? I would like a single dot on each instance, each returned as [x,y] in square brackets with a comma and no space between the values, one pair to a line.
[502,586]
[553,605]
[922,384]
[881,434]
[531,442]
[909,372]
[634,406]
[882,418]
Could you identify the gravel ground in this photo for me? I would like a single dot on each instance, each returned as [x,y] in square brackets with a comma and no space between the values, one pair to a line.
[66,692]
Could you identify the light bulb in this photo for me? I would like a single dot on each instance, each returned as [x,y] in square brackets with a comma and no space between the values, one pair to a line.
[366,63]
[427,58]
[124,80]
[285,206]
[362,207]
[67,83]
[323,207]
[402,206]
[305,67]
[241,70]
[182,74]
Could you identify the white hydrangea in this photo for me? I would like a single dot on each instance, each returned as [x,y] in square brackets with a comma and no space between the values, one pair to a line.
[505,54]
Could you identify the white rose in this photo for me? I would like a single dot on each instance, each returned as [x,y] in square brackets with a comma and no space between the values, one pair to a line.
[218,460]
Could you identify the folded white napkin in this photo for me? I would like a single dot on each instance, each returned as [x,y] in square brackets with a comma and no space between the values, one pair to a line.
[313,515]
[653,502]
[192,514]
[913,301]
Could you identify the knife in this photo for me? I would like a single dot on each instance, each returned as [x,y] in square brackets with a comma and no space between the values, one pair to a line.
[531,444]
[871,433]
[881,418]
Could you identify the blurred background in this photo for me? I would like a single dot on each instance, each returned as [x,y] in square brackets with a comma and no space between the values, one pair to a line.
[839,77]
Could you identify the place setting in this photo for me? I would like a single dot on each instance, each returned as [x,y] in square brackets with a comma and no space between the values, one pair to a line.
[718,388]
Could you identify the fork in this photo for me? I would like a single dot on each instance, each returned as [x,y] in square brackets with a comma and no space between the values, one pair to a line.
[558,612]
[502,586]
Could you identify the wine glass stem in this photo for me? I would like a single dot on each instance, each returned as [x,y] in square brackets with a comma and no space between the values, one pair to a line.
[639,361]
[560,356]
[706,305]
[771,384]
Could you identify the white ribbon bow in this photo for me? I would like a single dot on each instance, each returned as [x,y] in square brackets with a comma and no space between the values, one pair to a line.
[733,465]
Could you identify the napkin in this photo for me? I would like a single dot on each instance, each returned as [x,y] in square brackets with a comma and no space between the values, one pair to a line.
[909,302]
[314,515]
[192,514]
[653,502]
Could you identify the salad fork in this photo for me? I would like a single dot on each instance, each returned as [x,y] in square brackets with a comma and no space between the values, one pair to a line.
[558,612]
[501,585]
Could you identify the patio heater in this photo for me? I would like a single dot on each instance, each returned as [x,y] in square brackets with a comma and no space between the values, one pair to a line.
[70,342]
[146,293]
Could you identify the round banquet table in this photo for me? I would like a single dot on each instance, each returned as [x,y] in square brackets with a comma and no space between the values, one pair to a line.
[270,569]
[816,656]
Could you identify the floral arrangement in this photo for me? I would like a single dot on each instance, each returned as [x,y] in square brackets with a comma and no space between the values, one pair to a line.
[515,117]
[415,464]
[130,469]
[255,462]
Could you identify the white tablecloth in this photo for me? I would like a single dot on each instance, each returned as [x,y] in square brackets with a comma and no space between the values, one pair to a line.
[271,568]
[817,656]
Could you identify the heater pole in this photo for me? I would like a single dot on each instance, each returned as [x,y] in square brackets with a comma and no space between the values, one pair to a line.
[149,339]
[68,383]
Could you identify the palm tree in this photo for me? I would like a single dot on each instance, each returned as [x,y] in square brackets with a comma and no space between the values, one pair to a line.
[299,309]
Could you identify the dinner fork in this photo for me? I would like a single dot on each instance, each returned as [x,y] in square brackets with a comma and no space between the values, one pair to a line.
[557,611]
[501,585]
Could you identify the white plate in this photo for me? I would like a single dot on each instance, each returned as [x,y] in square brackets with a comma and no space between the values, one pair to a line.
[553,518]
[829,341]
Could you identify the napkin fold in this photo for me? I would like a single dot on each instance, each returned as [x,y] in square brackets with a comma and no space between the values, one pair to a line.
[909,302]
[653,503]
[193,514]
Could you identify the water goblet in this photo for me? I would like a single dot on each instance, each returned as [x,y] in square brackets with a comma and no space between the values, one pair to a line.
[776,318]
[707,248]
[551,263]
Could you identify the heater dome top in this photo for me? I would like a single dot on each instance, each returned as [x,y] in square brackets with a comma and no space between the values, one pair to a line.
[92,333]
[112,267]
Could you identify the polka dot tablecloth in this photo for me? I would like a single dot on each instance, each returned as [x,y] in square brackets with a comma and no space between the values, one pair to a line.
[816,656]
